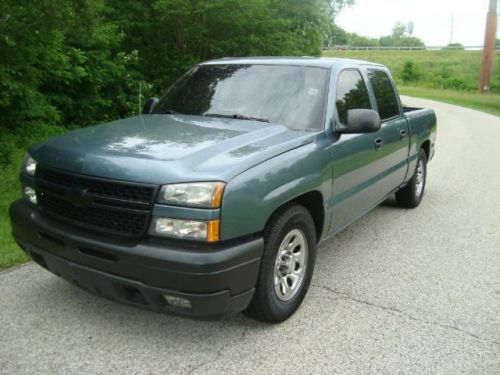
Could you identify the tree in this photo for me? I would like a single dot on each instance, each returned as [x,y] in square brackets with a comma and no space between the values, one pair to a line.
[335,35]
[60,64]
[172,35]
[454,46]
[335,6]
[399,30]
[75,62]
[356,40]
[398,38]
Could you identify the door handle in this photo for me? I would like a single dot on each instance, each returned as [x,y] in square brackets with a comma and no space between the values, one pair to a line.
[379,142]
[402,134]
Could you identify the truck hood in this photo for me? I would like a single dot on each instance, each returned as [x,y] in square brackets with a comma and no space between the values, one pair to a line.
[163,149]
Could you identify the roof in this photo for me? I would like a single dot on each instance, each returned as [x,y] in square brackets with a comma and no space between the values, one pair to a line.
[321,62]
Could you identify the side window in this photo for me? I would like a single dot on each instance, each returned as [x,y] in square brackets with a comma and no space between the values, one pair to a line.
[351,93]
[384,94]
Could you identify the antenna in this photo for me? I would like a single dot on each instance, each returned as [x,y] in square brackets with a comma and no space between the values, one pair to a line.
[140,98]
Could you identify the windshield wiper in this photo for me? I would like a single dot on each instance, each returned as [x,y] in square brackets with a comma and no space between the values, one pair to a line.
[236,116]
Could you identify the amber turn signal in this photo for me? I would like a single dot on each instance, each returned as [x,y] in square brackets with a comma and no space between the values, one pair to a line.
[213,231]
[217,197]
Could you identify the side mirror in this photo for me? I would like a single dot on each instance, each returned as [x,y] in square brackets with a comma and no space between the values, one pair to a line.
[149,105]
[361,121]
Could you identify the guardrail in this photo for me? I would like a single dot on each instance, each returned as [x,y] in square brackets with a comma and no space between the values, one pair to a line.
[404,48]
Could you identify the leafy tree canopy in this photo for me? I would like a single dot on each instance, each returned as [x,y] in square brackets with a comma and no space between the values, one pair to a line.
[78,62]
[399,38]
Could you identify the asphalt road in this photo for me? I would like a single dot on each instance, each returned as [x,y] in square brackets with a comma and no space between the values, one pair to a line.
[400,291]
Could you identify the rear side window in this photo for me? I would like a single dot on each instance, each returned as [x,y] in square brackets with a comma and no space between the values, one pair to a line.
[384,94]
[351,93]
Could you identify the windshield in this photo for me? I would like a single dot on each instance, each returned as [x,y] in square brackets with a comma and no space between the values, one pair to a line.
[289,95]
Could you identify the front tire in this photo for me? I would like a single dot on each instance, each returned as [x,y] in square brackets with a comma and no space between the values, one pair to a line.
[411,195]
[287,265]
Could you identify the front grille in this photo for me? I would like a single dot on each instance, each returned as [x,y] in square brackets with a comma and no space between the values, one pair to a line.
[99,187]
[109,206]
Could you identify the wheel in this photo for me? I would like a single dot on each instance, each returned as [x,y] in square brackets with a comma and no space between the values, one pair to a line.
[287,265]
[411,195]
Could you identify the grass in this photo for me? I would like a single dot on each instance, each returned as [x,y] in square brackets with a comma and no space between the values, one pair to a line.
[10,190]
[489,103]
[439,69]
[447,76]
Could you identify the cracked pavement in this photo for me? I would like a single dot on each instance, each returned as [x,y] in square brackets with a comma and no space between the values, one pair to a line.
[400,291]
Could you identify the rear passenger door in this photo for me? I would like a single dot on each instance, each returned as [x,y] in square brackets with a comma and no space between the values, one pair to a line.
[393,156]
[355,157]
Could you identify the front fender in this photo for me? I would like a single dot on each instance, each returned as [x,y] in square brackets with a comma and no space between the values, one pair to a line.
[251,198]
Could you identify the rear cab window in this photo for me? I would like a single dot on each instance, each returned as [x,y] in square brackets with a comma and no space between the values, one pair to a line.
[385,97]
[351,93]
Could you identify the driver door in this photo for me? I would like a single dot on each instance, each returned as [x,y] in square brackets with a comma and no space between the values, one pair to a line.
[354,156]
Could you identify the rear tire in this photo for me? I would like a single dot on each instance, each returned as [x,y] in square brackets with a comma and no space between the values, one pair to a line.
[411,195]
[287,265]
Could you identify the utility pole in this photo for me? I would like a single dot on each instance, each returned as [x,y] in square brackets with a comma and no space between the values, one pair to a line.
[489,48]
[452,25]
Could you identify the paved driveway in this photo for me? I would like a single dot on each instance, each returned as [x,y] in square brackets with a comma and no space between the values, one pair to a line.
[400,291]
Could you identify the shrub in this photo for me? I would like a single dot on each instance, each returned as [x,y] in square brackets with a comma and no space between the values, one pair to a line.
[454,46]
[34,133]
[456,83]
[7,147]
[411,72]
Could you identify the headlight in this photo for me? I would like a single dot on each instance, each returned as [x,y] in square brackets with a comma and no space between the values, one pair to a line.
[29,165]
[185,229]
[195,194]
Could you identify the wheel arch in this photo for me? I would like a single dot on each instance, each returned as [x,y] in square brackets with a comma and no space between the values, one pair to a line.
[313,202]
[426,146]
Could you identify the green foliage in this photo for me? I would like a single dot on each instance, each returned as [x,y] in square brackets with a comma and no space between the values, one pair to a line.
[172,35]
[335,36]
[454,46]
[412,72]
[405,41]
[445,69]
[356,40]
[75,63]
[60,64]
[399,29]
[489,103]
[398,38]
[71,63]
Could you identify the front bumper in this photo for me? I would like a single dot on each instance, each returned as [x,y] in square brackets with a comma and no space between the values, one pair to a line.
[216,282]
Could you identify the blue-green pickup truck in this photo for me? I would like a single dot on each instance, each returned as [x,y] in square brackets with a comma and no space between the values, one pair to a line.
[215,200]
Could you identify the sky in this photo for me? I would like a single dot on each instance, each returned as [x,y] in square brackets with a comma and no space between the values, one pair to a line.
[431,19]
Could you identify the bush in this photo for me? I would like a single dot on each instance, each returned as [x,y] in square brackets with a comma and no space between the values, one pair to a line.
[12,144]
[412,72]
[456,83]
[34,133]
[454,46]
[495,86]
[7,147]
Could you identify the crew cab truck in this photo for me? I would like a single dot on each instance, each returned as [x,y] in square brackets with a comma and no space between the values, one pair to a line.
[215,199]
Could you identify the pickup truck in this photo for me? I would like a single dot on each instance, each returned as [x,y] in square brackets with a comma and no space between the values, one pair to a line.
[215,199]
